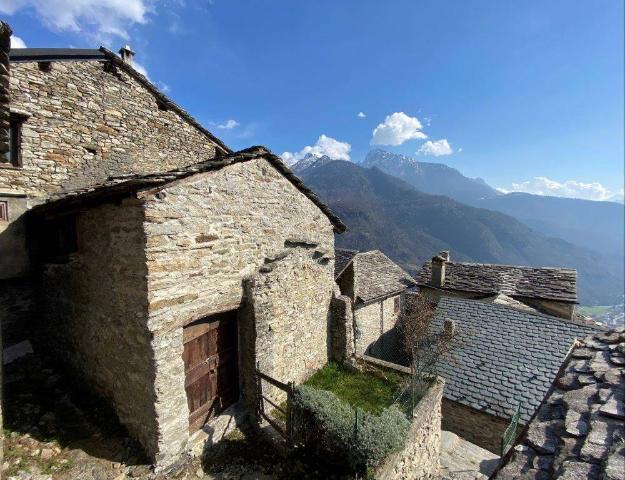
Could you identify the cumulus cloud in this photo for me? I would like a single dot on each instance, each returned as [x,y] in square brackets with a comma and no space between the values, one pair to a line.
[17,42]
[396,129]
[96,18]
[436,148]
[361,115]
[228,125]
[324,146]
[569,188]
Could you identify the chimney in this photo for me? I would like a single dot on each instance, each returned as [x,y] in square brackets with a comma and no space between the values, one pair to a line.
[438,270]
[127,54]
[445,254]
[449,327]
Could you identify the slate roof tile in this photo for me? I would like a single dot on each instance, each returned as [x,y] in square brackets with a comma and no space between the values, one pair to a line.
[599,447]
[506,356]
[375,275]
[547,283]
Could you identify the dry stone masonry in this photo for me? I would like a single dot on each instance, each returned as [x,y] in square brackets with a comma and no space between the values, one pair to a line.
[89,120]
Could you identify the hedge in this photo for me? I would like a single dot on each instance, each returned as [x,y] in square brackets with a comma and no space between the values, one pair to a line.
[327,426]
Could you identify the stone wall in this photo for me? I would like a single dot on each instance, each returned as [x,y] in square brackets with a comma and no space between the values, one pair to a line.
[420,457]
[557,309]
[17,304]
[371,322]
[205,235]
[94,314]
[477,427]
[342,329]
[5,46]
[290,305]
[90,120]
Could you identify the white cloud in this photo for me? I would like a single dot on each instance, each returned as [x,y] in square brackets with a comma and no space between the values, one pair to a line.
[569,188]
[96,18]
[436,148]
[324,146]
[140,68]
[17,42]
[361,115]
[229,125]
[396,129]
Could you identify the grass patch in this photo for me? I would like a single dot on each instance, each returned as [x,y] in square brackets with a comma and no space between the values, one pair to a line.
[596,310]
[373,390]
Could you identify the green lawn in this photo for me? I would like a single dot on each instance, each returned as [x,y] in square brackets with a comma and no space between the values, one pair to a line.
[372,391]
[596,310]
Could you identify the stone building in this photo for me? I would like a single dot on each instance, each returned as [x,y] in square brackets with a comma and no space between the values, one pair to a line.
[579,430]
[375,286]
[162,267]
[76,117]
[505,357]
[549,290]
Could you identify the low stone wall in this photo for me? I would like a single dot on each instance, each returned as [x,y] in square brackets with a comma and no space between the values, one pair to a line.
[420,457]
[477,427]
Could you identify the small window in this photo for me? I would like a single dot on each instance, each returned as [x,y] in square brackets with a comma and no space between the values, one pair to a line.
[14,155]
[4,212]
[397,304]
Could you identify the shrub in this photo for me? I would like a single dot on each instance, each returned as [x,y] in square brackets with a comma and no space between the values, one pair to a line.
[327,426]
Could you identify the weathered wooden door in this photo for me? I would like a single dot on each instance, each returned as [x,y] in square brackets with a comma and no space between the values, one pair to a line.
[211,366]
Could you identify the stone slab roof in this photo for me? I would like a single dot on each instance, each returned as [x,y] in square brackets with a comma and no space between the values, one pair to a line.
[505,356]
[378,276]
[103,54]
[548,283]
[118,187]
[342,258]
[579,430]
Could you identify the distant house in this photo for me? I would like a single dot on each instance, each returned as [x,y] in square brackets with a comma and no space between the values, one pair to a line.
[507,357]
[579,429]
[549,290]
[375,285]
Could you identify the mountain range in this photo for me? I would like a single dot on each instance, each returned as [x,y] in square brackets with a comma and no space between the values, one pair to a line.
[595,225]
[393,215]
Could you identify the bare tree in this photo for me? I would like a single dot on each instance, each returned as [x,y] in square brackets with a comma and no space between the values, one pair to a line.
[421,342]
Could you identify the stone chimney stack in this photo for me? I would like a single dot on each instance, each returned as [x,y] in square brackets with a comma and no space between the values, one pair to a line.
[445,254]
[449,327]
[438,269]
[127,54]
[5,112]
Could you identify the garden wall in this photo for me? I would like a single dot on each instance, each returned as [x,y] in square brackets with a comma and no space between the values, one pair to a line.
[420,456]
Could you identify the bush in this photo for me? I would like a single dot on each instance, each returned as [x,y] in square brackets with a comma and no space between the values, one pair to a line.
[327,426]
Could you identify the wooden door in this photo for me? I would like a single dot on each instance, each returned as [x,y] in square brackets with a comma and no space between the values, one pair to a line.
[211,366]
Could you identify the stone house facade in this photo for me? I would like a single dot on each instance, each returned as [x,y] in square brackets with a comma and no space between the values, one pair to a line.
[219,268]
[550,290]
[375,286]
[162,267]
[77,117]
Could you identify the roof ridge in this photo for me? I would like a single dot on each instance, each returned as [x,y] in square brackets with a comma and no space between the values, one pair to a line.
[114,189]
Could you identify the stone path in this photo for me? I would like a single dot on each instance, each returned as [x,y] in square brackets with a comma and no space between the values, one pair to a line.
[462,460]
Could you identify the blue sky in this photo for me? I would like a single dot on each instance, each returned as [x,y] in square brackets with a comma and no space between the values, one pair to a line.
[505,90]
